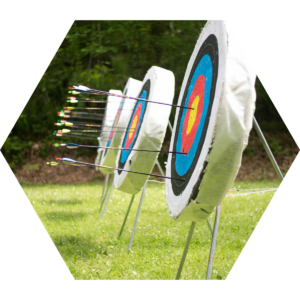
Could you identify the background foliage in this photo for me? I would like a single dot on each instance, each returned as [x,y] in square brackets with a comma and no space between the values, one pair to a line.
[103,54]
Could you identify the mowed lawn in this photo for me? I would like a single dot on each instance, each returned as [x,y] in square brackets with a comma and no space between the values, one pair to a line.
[91,250]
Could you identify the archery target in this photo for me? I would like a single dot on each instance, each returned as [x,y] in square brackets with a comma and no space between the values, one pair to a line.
[126,106]
[112,106]
[147,123]
[220,89]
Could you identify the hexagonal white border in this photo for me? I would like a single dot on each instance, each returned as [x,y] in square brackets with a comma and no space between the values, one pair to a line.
[31,32]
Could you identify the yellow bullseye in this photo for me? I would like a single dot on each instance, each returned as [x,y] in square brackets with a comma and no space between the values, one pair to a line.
[132,127]
[193,115]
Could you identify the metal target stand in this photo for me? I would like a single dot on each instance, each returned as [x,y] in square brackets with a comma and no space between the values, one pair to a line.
[106,196]
[218,211]
[131,201]
[140,205]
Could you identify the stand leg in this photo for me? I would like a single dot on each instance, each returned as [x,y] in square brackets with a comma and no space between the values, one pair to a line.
[137,218]
[267,148]
[170,126]
[186,248]
[104,187]
[218,209]
[159,168]
[110,183]
[209,225]
[110,190]
[213,243]
[126,216]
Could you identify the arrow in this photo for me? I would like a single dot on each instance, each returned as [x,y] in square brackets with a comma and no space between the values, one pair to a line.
[69,108]
[86,100]
[86,118]
[60,133]
[74,113]
[91,130]
[70,161]
[75,146]
[80,123]
[85,90]
[83,125]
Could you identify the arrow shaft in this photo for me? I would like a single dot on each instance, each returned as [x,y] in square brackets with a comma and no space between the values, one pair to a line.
[83,125]
[98,92]
[93,108]
[78,136]
[85,113]
[87,100]
[127,149]
[81,117]
[100,131]
[119,169]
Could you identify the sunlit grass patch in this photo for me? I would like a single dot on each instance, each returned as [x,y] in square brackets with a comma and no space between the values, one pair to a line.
[91,250]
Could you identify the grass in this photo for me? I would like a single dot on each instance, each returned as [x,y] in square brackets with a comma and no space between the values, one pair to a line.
[91,250]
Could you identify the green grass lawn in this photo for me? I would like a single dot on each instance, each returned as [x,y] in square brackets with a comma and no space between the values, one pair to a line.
[91,250]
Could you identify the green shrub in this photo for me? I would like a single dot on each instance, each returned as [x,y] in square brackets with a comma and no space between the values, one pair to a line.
[274,145]
[14,149]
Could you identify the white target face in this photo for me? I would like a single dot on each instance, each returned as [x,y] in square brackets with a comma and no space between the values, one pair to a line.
[147,124]
[112,106]
[220,89]
[118,127]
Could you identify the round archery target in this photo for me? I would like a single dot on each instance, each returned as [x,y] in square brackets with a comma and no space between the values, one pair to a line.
[111,111]
[125,109]
[145,129]
[199,96]
[219,89]
[134,126]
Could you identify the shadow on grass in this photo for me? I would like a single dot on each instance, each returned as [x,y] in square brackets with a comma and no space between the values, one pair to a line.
[63,202]
[80,246]
[64,216]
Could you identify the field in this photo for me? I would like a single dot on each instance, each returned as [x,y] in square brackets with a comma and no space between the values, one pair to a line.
[91,250]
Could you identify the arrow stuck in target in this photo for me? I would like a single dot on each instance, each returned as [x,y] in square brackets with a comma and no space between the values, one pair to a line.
[75,90]
[75,146]
[72,162]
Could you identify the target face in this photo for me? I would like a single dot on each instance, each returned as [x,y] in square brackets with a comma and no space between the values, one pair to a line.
[218,87]
[119,125]
[145,130]
[134,126]
[192,123]
[115,123]
[110,115]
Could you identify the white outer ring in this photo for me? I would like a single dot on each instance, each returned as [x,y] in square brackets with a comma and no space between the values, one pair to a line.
[152,131]
[112,106]
[227,107]
[132,88]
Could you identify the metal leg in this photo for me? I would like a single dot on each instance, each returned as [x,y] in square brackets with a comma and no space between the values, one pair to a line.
[213,243]
[104,187]
[267,148]
[159,168]
[186,248]
[209,225]
[126,216]
[110,190]
[110,183]
[137,218]
[218,209]
[170,126]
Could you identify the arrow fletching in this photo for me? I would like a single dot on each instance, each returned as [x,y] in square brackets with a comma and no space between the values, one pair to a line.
[52,163]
